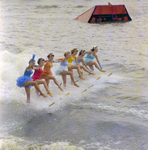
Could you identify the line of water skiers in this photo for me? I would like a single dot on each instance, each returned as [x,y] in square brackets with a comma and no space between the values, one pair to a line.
[67,64]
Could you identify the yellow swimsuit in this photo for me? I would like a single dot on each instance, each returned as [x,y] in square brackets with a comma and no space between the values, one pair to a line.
[70,60]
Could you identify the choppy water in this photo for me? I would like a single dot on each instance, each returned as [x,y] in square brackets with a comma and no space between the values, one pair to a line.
[113,114]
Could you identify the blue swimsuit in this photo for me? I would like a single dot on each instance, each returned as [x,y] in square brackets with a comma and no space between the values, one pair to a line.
[79,61]
[62,67]
[89,58]
[23,79]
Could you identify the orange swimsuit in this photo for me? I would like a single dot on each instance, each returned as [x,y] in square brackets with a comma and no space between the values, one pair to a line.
[46,70]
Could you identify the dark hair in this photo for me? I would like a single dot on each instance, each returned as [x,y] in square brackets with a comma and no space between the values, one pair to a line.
[51,54]
[74,50]
[93,48]
[39,60]
[82,51]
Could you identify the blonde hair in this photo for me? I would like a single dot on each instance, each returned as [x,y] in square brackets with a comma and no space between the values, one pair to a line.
[74,50]
[66,53]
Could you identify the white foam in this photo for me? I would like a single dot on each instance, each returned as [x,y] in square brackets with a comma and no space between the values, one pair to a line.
[20,144]
[135,112]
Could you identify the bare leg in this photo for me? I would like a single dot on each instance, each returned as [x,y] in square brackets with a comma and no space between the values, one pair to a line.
[64,80]
[82,73]
[28,94]
[64,73]
[85,69]
[91,67]
[45,85]
[96,65]
[78,70]
[35,85]
[55,81]
[47,81]
[69,69]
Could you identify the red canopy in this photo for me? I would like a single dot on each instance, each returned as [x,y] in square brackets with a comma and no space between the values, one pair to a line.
[103,13]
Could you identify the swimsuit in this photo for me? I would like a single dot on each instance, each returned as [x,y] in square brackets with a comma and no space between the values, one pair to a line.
[79,61]
[70,61]
[23,79]
[62,67]
[46,70]
[37,74]
[88,58]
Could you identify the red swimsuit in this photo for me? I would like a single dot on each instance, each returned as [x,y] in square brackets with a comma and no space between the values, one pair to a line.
[37,74]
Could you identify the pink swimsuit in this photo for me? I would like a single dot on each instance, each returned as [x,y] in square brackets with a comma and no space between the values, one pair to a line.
[37,74]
